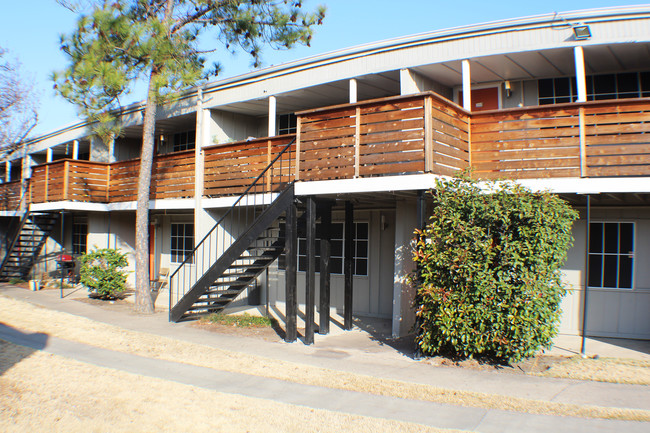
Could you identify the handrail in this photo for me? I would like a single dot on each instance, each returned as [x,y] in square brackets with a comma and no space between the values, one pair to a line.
[212,240]
[235,204]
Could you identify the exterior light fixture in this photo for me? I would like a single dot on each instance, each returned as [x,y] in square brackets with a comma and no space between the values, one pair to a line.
[582,32]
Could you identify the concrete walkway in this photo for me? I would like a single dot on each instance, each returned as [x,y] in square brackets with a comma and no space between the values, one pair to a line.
[351,351]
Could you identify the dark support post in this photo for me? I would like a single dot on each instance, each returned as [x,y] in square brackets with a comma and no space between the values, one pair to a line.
[325,251]
[310,274]
[347,266]
[421,209]
[291,292]
[62,251]
[583,347]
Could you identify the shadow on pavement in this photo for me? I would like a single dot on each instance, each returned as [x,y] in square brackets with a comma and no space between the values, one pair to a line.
[28,343]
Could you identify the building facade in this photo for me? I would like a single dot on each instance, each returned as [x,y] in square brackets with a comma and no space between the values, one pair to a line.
[557,102]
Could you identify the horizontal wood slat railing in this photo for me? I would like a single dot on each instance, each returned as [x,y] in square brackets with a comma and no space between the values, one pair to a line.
[10,196]
[537,142]
[230,169]
[172,176]
[389,136]
[617,138]
[421,133]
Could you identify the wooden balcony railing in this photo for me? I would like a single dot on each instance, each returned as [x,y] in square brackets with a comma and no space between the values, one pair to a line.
[398,135]
[69,179]
[422,133]
[229,169]
[172,176]
[10,196]
[592,139]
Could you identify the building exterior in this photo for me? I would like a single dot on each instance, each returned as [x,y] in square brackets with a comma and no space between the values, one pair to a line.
[339,149]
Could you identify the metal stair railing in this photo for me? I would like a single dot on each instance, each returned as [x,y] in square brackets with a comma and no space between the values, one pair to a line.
[234,223]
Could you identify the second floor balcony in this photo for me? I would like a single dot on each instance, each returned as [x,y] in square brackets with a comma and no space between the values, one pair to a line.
[393,136]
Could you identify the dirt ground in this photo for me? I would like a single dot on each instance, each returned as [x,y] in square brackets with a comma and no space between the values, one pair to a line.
[35,319]
[40,392]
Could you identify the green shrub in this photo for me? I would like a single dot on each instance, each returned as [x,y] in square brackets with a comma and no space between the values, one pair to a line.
[488,270]
[101,272]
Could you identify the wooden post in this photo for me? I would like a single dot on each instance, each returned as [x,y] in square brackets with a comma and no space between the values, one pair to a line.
[583,143]
[109,168]
[357,141]
[347,266]
[325,252]
[47,180]
[268,162]
[428,134]
[291,293]
[469,143]
[298,126]
[66,172]
[310,274]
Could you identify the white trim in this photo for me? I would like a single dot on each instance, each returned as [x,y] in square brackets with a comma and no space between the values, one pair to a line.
[589,186]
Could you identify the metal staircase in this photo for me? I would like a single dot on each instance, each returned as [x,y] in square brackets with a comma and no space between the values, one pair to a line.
[235,251]
[33,231]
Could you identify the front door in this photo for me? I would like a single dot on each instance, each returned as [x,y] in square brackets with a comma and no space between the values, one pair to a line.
[483,99]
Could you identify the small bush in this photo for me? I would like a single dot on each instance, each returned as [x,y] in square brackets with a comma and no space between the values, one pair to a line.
[16,281]
[101,272]
[488,270]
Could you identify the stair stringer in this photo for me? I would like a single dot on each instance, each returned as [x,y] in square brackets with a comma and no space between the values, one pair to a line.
[234,252]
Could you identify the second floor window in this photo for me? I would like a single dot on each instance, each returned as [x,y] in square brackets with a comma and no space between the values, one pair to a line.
[287,124]
[603,86]
[184,141]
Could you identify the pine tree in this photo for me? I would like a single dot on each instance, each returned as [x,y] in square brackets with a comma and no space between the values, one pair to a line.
[121,41]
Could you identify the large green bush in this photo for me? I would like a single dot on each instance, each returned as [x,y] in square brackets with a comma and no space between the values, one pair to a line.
[488,270]
[101,271]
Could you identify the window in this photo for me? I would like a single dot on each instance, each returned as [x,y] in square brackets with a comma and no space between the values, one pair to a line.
[603,86]
[79,235]
[556,90]
[287,124]
[182,241]
[184,141]
[611,255]
[337,254]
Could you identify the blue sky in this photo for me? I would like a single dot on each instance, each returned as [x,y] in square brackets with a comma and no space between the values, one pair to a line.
[30,31]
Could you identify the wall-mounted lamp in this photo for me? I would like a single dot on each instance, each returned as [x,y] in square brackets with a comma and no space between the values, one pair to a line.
[508,88]
[581,32]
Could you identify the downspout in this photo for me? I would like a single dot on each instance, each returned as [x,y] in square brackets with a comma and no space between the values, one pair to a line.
[586,282]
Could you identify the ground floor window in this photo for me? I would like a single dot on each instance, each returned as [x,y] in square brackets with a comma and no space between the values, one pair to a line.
[182,241]
[611,255]
[337,252]
[79,235]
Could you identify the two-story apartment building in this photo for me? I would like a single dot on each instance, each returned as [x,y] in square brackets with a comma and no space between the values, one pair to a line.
[338,151]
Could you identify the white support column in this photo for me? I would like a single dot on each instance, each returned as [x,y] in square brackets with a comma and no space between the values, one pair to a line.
[8,171]
[581,80]
[467,86]
[75,149]
[353,91]
[272,115]
[403,292]
[48,158]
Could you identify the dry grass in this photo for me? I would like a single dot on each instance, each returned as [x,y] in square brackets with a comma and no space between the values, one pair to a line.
[82,398]
[615,370]
[26,316]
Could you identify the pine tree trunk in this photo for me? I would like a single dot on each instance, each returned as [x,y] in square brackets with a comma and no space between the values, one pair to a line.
[143,302]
